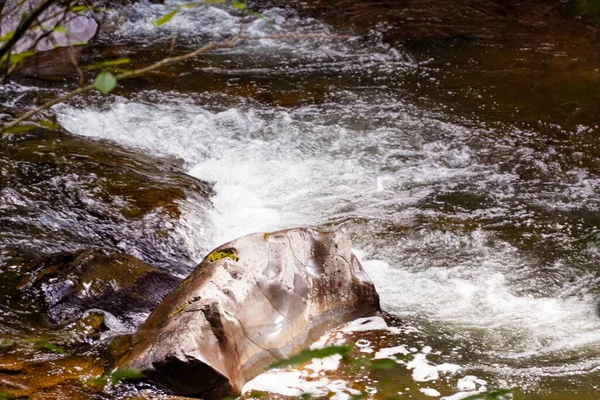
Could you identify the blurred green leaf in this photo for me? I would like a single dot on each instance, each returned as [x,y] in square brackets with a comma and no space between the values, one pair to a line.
[383,363]
[99,381]
[7,36]
[76,9]
[16,58]
[165,18]
[49,124]
[117,377]
[19,129]
[108,63]
[124,375]
[105,82]
[49,346]
[60,29]
[4,396]
[308,355]
[238,5]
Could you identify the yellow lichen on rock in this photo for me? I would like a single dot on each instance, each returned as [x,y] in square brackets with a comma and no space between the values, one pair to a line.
[220,254]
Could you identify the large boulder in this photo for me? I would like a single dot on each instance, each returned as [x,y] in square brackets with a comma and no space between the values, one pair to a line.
[250,302]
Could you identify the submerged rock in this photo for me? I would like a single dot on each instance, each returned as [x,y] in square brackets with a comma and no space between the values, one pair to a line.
[68,284]
[252,301]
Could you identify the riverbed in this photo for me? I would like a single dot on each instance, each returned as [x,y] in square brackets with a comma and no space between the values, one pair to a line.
[465,171]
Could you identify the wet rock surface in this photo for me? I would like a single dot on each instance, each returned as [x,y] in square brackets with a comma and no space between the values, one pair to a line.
[63,193]
[252,301]
[69,284]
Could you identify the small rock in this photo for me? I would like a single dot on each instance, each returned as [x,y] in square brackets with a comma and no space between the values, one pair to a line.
[68,284]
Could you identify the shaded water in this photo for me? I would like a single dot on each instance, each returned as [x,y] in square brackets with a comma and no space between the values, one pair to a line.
[475,211]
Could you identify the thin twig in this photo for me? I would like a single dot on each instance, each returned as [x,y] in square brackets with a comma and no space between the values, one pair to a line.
[166,61]
[73,58]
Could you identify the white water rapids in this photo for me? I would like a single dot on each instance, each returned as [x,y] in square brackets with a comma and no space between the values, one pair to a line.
[368,162]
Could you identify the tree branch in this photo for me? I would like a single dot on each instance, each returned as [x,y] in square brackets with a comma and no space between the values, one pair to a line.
[167,61]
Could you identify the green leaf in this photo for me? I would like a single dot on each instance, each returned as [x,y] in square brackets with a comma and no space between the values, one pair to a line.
[238,5]
[60,29]
[49,346]
[99,381]
[124,375]
[16,58]
[116,377]
[7,36]
[108,63]
[165,18]
[308,355]
[383,363]
[200,3]
[49,124]
[45,344]
[19,129]
[105,82]
[4,396]
[76,9]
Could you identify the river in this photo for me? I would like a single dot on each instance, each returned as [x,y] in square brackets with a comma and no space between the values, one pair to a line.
[475,214]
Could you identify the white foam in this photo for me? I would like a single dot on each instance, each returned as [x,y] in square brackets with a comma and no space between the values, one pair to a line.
[476,293]
[390,352]
[430,392]
[469,383]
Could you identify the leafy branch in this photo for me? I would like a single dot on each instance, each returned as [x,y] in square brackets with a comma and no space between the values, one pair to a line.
[108,81]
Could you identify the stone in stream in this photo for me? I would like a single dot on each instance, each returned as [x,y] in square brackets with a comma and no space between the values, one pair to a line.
[68,284]
[250,302]
[64,193]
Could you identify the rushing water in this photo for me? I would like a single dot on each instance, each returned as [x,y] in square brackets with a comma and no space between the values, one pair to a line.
[480,235]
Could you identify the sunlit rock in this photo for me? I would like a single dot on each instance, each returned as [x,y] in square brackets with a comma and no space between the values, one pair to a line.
[252,301]
[55,27]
